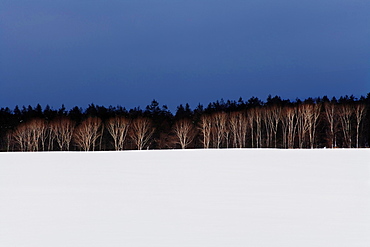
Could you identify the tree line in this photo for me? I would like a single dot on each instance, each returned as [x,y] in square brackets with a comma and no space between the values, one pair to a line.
[275,123]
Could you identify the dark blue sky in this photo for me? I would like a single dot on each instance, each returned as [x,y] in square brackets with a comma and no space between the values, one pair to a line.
[128,52]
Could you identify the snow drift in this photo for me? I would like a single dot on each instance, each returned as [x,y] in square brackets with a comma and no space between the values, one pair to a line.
[179,198]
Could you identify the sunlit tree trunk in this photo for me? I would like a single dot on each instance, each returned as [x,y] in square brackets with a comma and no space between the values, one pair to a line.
[267,120]
[256,114]
[313,119]
[303,116]
[219,120]
[359,115]
[345,115]
[30,136]
[19,136]
[185,132]
[62,131]
[272,117]
[331,118]
[141,132]
[290,125]
[238,127]
[250,122]
[87,133]
[38,129]
[243,127]
[118,129]
[205,127]
[276,116]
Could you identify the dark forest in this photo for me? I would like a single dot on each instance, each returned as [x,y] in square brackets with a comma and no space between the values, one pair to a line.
[274,123]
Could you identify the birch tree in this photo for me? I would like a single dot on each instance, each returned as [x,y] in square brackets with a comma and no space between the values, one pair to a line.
[272,116]
[359,113]
[289,122]
[313,114]
[345,113]
[205,127]
[141,131]
[20,137]
[118,128]
[87,133]
[331,117]
[185,132]
[238,127]
[303,116]
[62,131]
[255,115]
[30,136]
[219,119]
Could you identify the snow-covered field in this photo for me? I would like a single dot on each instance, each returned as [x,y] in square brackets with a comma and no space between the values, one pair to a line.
[193,198]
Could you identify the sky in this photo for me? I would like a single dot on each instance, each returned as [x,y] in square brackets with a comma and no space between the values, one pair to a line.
[129,52]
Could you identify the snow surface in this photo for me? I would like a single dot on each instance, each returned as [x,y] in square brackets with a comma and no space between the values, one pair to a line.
[177,198]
